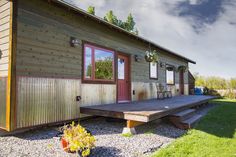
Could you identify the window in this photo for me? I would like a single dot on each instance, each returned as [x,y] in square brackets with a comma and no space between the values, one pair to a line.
[170,76]
[98,64]
[153,67]
[121,69]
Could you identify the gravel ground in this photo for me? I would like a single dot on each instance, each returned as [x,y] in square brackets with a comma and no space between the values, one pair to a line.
[109,141]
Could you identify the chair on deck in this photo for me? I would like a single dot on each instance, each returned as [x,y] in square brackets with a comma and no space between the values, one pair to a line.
[168,92]
[163,92]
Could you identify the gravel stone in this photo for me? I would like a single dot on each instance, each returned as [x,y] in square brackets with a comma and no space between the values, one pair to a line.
[45,142]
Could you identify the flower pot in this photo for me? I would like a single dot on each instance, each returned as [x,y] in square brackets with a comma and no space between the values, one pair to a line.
[148,59]
[65,145]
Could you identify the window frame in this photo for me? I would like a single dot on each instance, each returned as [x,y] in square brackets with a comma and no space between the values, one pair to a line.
[150,77]
[168,65]
[93,80]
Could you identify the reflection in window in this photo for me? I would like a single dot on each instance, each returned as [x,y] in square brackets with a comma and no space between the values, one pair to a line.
[103,65]
[121,69]
[170,75]
[98,64]
[88,63]
[153,70]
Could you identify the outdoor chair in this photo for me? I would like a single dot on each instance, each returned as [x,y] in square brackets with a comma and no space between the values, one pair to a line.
[168,92]
[160,91]
[163,92]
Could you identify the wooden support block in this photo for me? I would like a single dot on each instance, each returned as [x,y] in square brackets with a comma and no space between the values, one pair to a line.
[132,123]
[131,131]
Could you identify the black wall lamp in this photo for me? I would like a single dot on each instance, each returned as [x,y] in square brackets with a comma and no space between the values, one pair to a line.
[162,64]
[137,58]
[74,42]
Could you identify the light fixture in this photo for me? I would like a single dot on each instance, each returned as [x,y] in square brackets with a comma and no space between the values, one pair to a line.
[162,64]
[74,42]
[137,58]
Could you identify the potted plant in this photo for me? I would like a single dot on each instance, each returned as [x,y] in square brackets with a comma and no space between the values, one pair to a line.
[184,68]
[151,56]
[76,139]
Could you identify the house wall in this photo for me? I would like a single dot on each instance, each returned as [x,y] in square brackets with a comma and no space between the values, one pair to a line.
[4,36]
[4,56]
[44,51]
[3,88]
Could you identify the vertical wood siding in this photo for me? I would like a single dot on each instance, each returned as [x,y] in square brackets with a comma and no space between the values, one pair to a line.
[4,36]
[46,100]
[3,85]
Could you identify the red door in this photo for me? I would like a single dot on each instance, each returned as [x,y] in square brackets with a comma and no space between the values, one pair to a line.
[181,82]
[123,78]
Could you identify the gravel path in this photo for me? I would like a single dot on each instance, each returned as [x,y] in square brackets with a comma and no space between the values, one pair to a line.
[109,141]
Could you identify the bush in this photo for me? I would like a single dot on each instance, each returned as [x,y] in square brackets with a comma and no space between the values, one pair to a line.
[79,140]
[230,94]
[211,92]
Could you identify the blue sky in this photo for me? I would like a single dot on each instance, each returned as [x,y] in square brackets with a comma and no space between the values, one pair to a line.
[202,30]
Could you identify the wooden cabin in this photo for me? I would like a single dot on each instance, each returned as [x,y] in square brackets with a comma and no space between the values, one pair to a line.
[56,58]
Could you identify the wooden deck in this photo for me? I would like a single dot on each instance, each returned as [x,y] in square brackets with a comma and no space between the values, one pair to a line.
[148,110]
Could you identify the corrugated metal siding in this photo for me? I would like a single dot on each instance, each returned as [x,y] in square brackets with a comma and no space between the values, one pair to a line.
[4,36]
[3,88]
[46,100]
[97,94]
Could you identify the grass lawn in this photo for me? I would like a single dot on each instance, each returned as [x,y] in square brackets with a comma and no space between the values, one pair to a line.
[213,136]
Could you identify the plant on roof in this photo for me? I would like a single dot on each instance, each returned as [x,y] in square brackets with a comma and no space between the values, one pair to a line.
[151,56]
[91,10]
[128,25]
[76,139]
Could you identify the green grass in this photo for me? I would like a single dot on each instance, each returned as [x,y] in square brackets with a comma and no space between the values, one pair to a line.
[213,136]
[127,135]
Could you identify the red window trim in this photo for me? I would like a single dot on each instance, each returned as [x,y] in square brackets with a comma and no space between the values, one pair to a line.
[92,79]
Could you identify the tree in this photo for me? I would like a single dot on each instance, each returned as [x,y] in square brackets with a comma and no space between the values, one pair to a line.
[233,83]
[200,81]
[91,10]
[211,82]
[127,25]
[111,18]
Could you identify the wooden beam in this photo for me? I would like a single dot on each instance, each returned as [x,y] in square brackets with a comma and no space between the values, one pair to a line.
[11,81]
[8,101]
[132,123]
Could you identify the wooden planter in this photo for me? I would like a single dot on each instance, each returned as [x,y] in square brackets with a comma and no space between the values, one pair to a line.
[65,145]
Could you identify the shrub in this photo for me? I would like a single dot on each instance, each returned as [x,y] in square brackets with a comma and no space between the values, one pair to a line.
[79,140]
[230,94]
[212,92]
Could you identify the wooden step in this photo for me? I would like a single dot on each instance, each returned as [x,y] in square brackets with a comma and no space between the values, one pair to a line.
[189,123]
[180,116]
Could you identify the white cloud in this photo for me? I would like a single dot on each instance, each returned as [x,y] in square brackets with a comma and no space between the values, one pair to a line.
[214,47]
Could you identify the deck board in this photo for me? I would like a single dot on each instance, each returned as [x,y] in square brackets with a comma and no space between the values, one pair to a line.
[146,110]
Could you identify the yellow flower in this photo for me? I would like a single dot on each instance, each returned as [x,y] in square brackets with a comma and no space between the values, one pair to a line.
[79,139]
